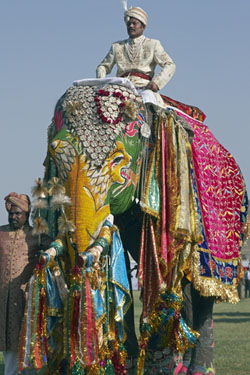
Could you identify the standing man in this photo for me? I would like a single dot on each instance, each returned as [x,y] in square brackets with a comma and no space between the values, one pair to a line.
[137,57]
[18,257]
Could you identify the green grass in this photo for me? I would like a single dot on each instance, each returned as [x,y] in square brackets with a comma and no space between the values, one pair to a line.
[232,337]
[1,364]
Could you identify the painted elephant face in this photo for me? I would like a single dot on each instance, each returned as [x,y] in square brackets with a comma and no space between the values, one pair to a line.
[95,142]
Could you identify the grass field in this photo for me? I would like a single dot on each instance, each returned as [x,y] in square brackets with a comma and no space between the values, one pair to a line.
[232,337]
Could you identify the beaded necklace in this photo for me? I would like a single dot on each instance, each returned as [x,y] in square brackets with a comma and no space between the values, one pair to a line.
[133,50]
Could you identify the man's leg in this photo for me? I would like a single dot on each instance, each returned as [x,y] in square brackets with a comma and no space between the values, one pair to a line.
[10,363]
[248,288]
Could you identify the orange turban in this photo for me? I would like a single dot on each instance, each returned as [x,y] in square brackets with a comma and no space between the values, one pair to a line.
[22,201]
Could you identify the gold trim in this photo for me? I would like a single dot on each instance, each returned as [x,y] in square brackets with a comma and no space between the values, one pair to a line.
[212,287]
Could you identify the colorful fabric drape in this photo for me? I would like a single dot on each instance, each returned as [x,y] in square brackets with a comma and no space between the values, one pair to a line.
[196,206]
[43,316]
[85,331]
[216,266]
[119,283]
[171,233]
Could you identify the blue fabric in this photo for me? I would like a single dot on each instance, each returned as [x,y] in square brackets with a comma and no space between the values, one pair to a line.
[119,280]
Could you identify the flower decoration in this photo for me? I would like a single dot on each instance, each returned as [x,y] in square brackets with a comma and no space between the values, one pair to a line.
[120,105]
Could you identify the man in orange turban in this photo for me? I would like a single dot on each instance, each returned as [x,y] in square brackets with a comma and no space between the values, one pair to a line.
[18,256]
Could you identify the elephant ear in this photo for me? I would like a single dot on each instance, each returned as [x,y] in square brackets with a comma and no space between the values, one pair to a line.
[123,202]
[121,197]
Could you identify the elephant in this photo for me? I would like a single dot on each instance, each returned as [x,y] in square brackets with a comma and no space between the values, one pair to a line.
[96,143]
[113,155]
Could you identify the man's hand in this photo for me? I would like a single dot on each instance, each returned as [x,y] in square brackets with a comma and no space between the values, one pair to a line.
[152,86]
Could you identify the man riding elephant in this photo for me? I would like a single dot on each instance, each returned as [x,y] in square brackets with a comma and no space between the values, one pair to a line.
[137,57]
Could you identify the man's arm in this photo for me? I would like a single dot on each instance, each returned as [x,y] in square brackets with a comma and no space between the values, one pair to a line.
[106,65]
[167,65]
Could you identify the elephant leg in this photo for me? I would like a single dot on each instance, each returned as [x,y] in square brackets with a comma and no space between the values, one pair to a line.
[187,313]
[131,343]
[198,312]
[130,224]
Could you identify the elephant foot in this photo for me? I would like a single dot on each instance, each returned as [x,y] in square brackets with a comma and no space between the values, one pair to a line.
[131,365]
[161,362]
[200,370]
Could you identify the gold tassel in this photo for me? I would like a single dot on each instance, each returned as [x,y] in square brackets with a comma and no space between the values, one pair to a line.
[60,200]
[130,109]
[93,369]
[55,187]
[40,227]
[39,190]
[140,362]
[65,225]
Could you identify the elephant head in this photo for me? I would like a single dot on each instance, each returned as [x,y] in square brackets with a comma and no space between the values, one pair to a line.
[95,143]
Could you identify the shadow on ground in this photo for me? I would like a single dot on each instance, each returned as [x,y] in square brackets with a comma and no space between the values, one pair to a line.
[231,317]
[247,314]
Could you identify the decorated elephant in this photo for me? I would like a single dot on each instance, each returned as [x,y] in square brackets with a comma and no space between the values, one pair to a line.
[96,144]
[104,156]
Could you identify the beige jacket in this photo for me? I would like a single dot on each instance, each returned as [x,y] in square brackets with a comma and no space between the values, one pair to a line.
[140,55]
[18,257]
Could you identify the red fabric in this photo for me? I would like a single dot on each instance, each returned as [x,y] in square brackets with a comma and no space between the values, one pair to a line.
[137,74]
[190,110]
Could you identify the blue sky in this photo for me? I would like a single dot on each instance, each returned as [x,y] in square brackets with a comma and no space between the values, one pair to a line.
[46,45]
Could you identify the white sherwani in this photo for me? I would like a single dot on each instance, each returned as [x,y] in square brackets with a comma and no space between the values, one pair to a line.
[140,55]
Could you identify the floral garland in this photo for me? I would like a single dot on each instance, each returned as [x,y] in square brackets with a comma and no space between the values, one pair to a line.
[121,106]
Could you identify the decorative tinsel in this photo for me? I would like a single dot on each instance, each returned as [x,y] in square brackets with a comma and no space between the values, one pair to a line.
[165,327]
[33,337]
[55,187]
[39,192]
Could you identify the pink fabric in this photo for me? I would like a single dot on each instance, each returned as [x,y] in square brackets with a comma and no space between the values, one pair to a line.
[180,369]
[221,191]
[89,323]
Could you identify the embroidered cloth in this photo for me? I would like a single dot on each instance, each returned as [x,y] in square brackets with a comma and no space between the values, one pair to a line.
[222,197]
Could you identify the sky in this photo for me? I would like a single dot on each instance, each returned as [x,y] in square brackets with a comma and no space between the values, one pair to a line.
[45,45]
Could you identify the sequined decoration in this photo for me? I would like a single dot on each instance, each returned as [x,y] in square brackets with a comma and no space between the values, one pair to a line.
[97,117]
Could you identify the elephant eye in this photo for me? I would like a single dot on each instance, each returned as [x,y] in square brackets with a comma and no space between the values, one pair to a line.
[118,159]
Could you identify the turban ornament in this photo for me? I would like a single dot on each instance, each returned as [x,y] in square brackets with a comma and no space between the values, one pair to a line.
[135,12]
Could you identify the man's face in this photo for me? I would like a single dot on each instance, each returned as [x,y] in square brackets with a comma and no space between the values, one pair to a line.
[17,217]
[135,27]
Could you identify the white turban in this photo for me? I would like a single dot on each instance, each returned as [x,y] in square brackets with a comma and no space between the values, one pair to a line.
[137,13]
